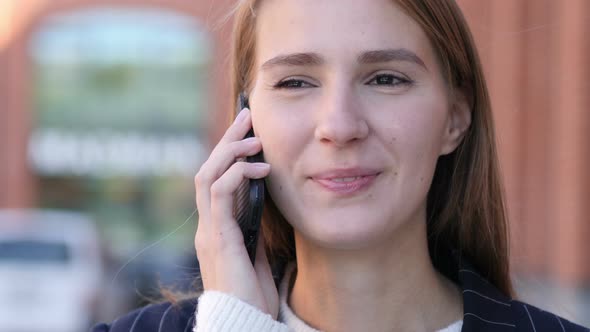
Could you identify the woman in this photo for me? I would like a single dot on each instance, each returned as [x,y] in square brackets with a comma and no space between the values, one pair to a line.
[384,209]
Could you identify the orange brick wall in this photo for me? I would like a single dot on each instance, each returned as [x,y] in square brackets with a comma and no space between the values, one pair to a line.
[535,58]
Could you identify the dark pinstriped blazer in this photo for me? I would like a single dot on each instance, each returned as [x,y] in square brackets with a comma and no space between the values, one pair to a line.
[486,309]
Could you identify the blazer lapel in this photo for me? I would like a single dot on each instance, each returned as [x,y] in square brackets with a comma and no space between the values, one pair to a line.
[485,308]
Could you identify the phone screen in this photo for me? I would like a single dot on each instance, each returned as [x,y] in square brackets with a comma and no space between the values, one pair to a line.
[249,198]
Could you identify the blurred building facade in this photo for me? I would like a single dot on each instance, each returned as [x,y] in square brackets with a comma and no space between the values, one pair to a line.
[535,58]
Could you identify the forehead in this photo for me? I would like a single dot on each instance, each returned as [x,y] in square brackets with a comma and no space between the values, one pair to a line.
[336,28]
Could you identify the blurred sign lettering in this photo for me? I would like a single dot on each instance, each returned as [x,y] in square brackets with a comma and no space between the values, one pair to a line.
[112,153]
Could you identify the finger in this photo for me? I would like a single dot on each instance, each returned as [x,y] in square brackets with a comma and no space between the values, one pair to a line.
[218,163]
[225,154]
[238,129]
[223,189]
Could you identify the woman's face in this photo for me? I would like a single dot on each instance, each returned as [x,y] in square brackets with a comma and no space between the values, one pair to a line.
[352,111]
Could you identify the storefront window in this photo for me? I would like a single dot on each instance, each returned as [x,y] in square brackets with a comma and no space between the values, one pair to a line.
[120,98]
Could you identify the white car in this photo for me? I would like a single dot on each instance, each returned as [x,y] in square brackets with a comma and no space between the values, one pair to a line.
[50,270]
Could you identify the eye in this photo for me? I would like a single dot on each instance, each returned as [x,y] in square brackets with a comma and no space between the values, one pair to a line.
[292,83]
[388,79]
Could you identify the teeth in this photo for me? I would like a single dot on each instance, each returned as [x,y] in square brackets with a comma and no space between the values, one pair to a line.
[349,179]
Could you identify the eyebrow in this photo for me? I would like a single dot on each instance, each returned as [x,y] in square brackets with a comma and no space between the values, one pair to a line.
[294,60]
[368,57]
[387,55]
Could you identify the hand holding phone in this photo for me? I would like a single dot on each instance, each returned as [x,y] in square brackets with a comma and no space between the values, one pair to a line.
[230,194]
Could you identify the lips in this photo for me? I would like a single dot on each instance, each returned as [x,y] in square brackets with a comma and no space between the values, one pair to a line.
[346,181]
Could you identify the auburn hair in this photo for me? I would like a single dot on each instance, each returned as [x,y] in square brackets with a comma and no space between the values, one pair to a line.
[466,213]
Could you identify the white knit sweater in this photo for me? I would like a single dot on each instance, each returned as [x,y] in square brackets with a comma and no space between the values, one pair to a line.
[220,312]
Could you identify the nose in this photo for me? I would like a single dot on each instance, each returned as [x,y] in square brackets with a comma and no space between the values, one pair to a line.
[340,119]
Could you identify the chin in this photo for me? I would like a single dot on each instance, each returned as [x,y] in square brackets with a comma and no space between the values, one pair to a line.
[347,232]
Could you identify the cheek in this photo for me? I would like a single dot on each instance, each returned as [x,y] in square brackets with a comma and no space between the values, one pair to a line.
[285,132]
[281,147]
[414,139]
[283,127]
[280,137]
[420,126]
[283,138]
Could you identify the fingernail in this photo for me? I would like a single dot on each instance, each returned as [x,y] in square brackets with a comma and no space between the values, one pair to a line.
[250,140]
[262,165]
[242,115]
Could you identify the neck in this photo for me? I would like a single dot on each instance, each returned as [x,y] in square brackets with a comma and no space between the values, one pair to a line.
[388,287]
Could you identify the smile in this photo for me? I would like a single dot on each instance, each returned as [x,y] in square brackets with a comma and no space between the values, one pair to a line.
[345,184]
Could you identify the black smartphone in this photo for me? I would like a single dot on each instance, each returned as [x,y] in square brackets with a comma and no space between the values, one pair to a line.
[249,198]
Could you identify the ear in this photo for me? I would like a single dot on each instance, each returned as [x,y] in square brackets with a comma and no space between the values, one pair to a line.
[458,122]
